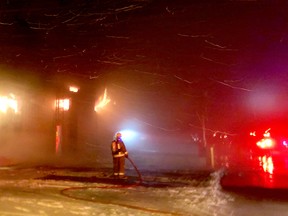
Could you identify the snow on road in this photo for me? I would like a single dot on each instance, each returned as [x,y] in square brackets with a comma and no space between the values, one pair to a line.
[65,192]
[43,191]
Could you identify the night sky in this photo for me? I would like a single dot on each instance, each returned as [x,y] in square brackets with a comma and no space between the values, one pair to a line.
[167,64]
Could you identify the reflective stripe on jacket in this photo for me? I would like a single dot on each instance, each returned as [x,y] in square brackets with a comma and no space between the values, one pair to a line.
[118,148]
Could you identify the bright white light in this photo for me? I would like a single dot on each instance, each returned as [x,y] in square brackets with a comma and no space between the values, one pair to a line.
[128,135]
[63,104]
[73,89]
[8,103]
[265,143]
[267,133]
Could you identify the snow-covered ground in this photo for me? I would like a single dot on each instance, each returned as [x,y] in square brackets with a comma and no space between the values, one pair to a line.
[90,191]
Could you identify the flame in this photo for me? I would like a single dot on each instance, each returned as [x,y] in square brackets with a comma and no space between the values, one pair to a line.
[74,89]
[102,102]
[63,104]
[8,103]
[58,139]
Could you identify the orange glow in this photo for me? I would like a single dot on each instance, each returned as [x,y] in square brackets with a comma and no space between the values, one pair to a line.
[58,139]
[102,102]
[8,103]
[63,104]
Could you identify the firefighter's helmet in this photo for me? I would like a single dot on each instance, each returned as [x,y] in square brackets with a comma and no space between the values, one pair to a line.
[118,135]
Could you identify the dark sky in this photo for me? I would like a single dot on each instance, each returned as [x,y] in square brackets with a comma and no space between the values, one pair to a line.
[166,63]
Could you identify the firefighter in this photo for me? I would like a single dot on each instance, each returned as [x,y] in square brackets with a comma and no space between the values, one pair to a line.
[119,153]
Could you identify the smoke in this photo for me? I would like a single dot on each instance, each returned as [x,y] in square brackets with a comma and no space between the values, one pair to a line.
[28,135]
[22,146]
[269,100]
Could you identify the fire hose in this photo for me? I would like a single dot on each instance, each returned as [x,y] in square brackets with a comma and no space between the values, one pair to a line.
[65,192]
[136,169]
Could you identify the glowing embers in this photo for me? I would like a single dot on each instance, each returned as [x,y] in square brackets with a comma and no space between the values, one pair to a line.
[8,103]
[102,102]
[62,104]
[267,164]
